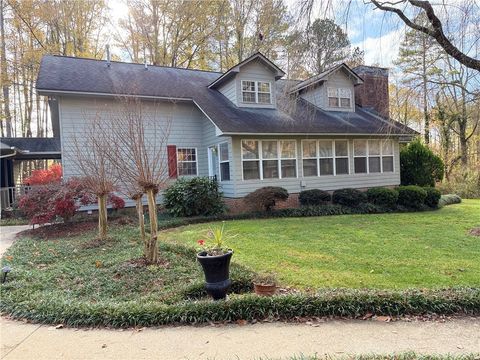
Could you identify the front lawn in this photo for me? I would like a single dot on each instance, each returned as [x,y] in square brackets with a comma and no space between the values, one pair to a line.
[388,251]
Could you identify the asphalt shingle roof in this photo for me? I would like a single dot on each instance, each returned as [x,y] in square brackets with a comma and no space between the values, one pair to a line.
[33,145]
[68,74]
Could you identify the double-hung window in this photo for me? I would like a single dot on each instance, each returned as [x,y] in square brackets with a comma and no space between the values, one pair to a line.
[250,159]
[341,157]
[288,158]
[256,92]
[325,157]
[224,161]
[373,156]
[187,161]
[339,97]
[269,159]
[310,158]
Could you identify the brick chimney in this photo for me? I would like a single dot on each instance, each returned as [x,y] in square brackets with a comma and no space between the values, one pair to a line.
[373,93]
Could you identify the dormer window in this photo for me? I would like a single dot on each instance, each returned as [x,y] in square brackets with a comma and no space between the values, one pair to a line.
[339,98]
[256,92]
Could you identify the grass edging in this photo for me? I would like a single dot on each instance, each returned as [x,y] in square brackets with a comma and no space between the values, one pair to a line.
[334,302]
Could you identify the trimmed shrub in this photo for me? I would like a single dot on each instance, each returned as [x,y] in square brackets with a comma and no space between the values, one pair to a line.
[383,197]
[433,197]
[266,197]
[194,197]
[449,199]
[411,196]
[349,197]
[419,165]
[314,197]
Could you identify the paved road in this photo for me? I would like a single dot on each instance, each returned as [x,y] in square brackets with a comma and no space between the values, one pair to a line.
[276,340]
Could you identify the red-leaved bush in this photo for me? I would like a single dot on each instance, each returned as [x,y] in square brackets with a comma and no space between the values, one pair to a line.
[44,203]
[43,177]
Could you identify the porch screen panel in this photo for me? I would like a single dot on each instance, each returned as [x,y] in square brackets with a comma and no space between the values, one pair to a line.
[309,158]
[325,154]
[288,162]
[250,159]
[341,157]
[270,159]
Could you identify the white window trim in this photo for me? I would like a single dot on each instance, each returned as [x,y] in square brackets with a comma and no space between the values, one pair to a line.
[367,156]
[278,158]
[333,157]
[339,98]
[224,161]
[188,161]
[256,92]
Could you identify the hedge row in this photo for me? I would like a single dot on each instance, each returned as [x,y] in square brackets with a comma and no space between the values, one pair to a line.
[411,196]
[344,303]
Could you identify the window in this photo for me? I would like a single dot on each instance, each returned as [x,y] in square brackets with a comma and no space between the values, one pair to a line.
[339,97]
[309,155]
[325,154]
[269,159]
[341,157]
[387,156]
[256,92]
[325,157]
[248,92]
[373,156]
[263,92]
[224,160]
[187,161]
[250,159]
[360,156]
[288,158]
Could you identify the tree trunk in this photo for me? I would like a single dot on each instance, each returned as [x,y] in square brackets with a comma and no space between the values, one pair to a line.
[141,220]
[152,246]
[102,217]
[426,115]
[4,71]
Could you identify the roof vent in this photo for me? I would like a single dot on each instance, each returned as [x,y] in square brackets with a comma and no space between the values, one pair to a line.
[107,50]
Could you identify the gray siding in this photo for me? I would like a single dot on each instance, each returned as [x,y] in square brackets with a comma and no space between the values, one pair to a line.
[229,91]
[317,95]
[333,182]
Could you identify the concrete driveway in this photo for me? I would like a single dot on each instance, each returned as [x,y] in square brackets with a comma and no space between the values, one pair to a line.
[7,235]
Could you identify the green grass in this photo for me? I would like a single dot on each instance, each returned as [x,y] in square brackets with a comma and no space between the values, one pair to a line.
[388,251]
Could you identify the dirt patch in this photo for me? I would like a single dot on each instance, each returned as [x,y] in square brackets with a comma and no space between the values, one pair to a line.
[142,262]
[55,231]
[475,231]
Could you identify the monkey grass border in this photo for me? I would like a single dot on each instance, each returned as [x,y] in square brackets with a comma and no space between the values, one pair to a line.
[332,302]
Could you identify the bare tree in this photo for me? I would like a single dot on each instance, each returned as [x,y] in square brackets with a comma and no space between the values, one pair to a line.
[138,141]
[92,161]
[434,27]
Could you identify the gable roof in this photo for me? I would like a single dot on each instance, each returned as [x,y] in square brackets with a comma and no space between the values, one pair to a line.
[279,73]
[77,76]
[324,75]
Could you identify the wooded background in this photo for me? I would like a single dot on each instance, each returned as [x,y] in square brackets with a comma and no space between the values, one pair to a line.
[434,87]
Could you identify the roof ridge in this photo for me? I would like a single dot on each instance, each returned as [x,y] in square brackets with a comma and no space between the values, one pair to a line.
[131,63]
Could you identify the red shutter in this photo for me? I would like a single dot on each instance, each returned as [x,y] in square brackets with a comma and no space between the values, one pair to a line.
[172,161]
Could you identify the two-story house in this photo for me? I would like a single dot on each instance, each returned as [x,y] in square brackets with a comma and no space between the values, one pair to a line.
[247,126]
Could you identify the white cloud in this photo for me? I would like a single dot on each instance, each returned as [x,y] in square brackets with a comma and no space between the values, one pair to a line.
[382,50]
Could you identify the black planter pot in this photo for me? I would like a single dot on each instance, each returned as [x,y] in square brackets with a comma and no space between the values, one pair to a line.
[216,270]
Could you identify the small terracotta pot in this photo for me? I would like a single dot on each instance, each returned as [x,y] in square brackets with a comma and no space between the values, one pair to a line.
[265,289]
